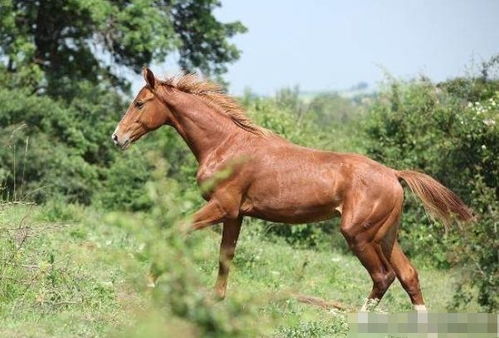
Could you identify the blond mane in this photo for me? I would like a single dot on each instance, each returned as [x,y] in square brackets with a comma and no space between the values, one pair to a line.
[214,95]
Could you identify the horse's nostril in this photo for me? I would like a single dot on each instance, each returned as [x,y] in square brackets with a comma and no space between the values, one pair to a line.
[115,138]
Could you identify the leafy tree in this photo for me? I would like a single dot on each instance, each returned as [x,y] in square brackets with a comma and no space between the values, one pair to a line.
[49,147]
[331,108]
[54,44]
[75,51]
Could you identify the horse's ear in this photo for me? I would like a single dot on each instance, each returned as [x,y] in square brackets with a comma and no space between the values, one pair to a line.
[149,77]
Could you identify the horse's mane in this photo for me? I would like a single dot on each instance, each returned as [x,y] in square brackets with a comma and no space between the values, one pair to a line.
[214,95]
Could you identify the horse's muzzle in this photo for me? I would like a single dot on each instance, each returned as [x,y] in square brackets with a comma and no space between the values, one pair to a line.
[123,143]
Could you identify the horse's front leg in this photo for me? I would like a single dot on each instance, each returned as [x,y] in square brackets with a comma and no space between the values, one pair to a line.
[211,213]
[223,207]
[230,234]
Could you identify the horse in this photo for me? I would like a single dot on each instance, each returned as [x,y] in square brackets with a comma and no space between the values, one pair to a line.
[275,180]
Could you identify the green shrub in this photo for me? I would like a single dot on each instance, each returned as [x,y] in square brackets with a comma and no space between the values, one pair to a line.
[57,210]
[442,131]
[51,148]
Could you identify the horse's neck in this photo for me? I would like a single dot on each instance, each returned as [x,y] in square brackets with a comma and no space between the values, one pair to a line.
[202,128]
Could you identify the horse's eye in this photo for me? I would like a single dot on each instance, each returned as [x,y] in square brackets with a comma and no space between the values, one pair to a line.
[139,104]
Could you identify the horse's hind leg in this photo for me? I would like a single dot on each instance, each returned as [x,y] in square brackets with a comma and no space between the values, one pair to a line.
[408,276]
[406,273]
[365,239]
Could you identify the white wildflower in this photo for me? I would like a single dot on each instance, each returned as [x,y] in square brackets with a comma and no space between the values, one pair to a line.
[489,122]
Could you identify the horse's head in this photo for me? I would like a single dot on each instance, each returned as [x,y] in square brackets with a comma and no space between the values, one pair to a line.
[146,113]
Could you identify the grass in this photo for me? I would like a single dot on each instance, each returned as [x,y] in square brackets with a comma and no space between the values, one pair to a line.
[75,272]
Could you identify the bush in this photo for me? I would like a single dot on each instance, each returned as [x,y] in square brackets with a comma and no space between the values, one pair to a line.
[49,148]
[440,130]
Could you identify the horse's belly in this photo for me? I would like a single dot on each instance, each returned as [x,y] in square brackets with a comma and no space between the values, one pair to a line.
[293,215]
[300,189]
[298,205]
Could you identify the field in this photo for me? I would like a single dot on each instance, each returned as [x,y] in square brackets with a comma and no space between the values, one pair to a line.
[85,275]
[85,226]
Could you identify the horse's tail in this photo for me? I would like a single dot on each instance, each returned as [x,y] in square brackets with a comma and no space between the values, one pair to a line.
[438,200]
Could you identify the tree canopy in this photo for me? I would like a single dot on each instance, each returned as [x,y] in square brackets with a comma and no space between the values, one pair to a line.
[54,44]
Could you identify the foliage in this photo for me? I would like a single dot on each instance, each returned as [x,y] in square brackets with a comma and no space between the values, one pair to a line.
[449,131]
[333,108]
[203,40]
[49,148]
[53,45]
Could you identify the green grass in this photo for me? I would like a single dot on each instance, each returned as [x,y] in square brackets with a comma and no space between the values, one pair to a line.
[86,276]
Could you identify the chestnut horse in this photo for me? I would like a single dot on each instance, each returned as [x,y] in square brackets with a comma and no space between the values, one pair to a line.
[275,180]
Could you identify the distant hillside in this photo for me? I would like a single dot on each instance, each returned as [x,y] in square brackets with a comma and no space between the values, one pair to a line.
[360,89]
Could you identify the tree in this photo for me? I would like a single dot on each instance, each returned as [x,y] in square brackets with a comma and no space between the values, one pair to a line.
[54,44]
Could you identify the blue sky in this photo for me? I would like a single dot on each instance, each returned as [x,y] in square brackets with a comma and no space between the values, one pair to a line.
[329,44]
[333,45]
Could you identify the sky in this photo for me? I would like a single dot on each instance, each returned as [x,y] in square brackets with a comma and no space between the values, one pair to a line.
[333,45]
